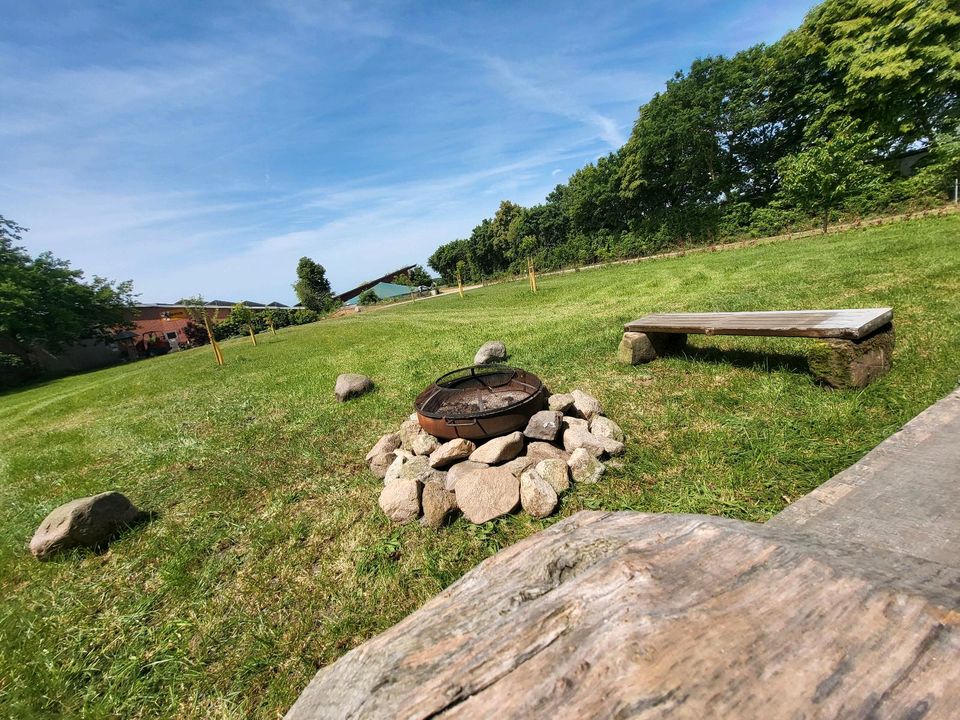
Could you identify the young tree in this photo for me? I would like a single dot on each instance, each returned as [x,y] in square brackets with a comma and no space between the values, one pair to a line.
[242,315]
[312,286]
[44,301]
[822,177]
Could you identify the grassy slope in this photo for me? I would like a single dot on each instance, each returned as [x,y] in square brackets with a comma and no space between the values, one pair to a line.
[269,556]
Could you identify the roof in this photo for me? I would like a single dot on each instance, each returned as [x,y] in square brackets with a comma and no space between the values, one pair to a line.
[385,291]
[344,297]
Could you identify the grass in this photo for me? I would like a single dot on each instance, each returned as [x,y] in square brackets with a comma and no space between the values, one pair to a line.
[268,557]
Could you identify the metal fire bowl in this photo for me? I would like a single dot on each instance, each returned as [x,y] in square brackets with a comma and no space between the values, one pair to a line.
[480,402]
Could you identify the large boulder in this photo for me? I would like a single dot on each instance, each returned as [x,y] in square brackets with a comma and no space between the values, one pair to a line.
[499,450]
[490,353]
[544,425]
[86,522]
[459,470]
[483,495]
[537,497]
[400,500]
[351,385]
[451,452]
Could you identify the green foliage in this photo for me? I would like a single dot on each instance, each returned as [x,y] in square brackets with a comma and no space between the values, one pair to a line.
[368,297]
[829,173]
[706,155]
[312,286]
[269,556]
[44,301]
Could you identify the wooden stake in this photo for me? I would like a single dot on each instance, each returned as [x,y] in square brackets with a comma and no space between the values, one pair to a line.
[533,276]
[213,343]
[460,284]
[272,328]
[252,336]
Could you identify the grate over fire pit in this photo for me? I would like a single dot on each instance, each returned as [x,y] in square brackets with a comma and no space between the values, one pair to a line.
[480,402]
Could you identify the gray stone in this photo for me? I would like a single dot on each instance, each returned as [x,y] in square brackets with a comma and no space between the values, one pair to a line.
[575,438]
[612,448]
[585,406]
[636,348]
[499,450]
[561,402]
[537,497]
[491,352]
[519,464]
[604,427]
[574,422]
[379,464]
[400,452]
[483,495]
[556,473]
[584,467]
[424,443]
[437,503]
[400,500]
[459,470]
[544,425]
[409,430]
[541,451]
[393,471]
[86,522]
[386,444]
[351,385]
[451,452]
[417,469]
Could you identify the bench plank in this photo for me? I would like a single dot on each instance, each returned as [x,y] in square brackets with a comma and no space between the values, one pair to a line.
[851,324]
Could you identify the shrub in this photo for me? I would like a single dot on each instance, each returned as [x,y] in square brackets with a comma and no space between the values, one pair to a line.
[368,297]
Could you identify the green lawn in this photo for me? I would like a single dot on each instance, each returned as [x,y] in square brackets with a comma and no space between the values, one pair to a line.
[268,556]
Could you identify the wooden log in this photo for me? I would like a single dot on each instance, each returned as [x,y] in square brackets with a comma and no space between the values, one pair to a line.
[631,615]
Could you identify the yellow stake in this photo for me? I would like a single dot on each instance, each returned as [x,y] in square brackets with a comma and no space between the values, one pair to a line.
[533,276]
[213,343]
[460,284]
[252,336]
[272,328]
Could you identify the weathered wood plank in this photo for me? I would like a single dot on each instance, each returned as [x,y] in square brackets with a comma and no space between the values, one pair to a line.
[852,324]
[631,615]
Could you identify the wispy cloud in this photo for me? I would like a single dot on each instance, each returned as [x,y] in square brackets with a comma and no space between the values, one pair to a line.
[204,149]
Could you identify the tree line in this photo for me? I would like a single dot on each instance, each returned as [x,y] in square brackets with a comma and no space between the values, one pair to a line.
[810,128]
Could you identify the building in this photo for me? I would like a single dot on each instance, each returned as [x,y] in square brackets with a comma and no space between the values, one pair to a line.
[349,295]
[162,325]
[386,291]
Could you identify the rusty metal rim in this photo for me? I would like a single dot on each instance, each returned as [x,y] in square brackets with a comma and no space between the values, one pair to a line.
[438,386]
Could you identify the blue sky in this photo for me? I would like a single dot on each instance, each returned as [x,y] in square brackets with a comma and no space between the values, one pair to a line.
[206,147]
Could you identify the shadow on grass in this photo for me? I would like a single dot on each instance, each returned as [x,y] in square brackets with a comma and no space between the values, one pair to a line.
[747,359]
[71,554]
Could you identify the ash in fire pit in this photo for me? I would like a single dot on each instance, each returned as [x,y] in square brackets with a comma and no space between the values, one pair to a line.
[480,402]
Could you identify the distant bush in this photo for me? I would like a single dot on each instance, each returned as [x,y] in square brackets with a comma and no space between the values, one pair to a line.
[15,370]
[368,297]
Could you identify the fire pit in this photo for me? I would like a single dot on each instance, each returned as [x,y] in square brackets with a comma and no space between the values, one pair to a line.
[480,402]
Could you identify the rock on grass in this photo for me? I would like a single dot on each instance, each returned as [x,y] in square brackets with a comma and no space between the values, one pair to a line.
[86,522]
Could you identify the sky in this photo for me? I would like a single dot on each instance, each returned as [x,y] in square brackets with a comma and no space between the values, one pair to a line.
[203,148]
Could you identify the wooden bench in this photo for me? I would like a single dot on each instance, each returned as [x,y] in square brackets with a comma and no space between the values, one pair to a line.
[856,345]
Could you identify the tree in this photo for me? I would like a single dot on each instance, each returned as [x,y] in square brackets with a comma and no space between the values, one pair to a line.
[312,286]
[419,276]
[43,301]
[822,177]
[242,315]
[368,297]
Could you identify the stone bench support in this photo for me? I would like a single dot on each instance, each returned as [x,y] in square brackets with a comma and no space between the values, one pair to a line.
[853,363]
[638,347]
